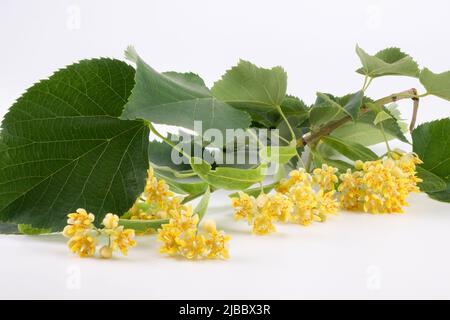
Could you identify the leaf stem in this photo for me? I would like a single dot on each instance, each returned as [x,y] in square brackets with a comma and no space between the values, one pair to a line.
[309,161]
[414,114]
[291,130]
[385,137]
[170,143]
[293,137]
[367,82]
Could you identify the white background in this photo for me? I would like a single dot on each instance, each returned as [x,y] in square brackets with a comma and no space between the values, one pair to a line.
[352,255]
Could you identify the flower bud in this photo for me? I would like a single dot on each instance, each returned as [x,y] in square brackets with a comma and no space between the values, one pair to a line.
[106,252]
[210,225]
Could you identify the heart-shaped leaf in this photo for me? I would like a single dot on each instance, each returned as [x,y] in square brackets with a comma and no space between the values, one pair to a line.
[62,147]
[391,61]
[431,182]
[436,84]
[251,88]
[430,142]
[179,100]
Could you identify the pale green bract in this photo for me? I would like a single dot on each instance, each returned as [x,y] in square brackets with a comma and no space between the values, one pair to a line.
[145,225]
[350,149]
[227,178]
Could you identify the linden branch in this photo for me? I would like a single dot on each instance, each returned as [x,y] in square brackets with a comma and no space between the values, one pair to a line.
[326,130]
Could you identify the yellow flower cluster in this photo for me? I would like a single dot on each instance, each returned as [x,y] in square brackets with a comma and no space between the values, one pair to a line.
[83,234]
[181,237]
[156,202]
[263,211]
[313,195]
[380,186]
[296,200]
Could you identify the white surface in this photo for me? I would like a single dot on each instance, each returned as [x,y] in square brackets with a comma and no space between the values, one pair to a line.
[351,256]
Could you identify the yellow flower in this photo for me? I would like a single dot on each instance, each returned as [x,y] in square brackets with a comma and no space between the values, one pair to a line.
[83,245]
[192,245]
[169,236]
[296,176]
[173,234]
[380,186]
[122,239]
[326,203]
[181,237]
[216,241]
[78,222]
[111,221]
[263,224]
[325,177]
[156,202]
[263,211]
[277,206]
[156,191]
[351,190]
[304,201]
[184,219]
[245,207]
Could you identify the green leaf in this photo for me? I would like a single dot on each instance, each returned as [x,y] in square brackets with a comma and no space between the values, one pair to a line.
[354,104]
[179,100]
[277,154]
[381,116]
[251,88]
[294,107]
[30,231]
[160,155]
[352,150]
[226,178]
[328,108]
[367,133]
[443,195]
[297,113]
[63,147]
[431,142]
[436,84]
[325,110]
[391,61]
[431,182]
[202,206]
